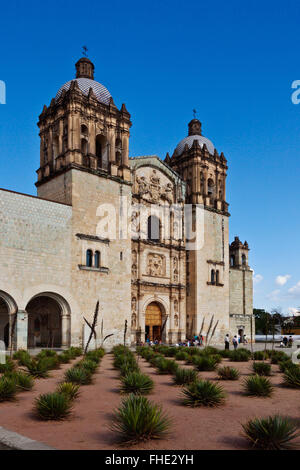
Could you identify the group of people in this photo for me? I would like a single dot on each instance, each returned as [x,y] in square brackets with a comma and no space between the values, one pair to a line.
[236,340]
[286,342]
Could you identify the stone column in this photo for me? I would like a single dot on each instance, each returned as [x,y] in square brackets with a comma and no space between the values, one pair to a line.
[65,330]
[21,331]
[125,150]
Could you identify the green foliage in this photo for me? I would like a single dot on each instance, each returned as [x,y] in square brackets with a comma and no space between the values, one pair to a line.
[64,358]
[181,356]
[53,406]
[8,389]
[138,419]
[239,355]
[271,433]
[38,367]
[228,373]
[261,368]
[69,389]
[9,366]
[210,350]
[46,353]
[184,376]
[167,366]
[203,393]
[260,355]
[88,365]
[23,381]
[291,377]
[78,375]
[225,353]
[206,363]
[258,386]
[287,364]
[278,356]
[22,356]
[136,382]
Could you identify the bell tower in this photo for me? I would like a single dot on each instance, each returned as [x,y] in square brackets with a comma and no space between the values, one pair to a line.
[82,128]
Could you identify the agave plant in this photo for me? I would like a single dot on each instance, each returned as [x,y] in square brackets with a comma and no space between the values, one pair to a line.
[167,366]
[8,366]
[136,382]
[206,363]
[203,393]
[64,358]
[8,389]
[261,368]
[38,368]
[138,419]
[53,406]
[228,373]
[185,376]
[23,381]
[291,377]
[88,365]
[239,355]
[259,355]
[258,386]
[181,356]
[288,364]
[69,389]
[78,375]
[271,433]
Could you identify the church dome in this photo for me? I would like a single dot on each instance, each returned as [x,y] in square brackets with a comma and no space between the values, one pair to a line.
[189,141]
[195,134]
[85,80]
[101,93]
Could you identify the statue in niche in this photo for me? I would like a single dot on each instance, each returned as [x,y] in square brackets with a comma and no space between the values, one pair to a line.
[133,304]
[155,189]
[134,270]
[175,269]
[143,187]
[176,320]
[133,321]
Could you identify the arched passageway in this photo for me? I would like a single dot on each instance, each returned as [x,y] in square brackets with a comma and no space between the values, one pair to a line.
[4,322]
[48,321]
[153,321]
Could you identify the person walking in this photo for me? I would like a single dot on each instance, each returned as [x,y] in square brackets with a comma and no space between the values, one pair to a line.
[227,341]
[235,342]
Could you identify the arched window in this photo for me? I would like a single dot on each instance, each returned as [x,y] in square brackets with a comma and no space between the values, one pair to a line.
[210,187]
[101,152]
[244,260]
[217,277]
[89,258]
[84,130]
[232,260]
[84,147]
[153,228]
[213,276]
[97,259]
[118,152]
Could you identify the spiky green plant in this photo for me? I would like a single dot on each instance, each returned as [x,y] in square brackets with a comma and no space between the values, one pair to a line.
[64,358]
[271,433]
[78,375]
[8,366]
[291,377]
[88,365]
[203,393]
[69,389]
[38,368]
[287,364]
[53,406]
[136,382]
[228,373]
[206,363]
[23,381]
[184,376]
[8,389]
[167,366]
[261,368]
[239,355]
[259,355]
[138,419]
[47,353]
[258,386]
[181,356]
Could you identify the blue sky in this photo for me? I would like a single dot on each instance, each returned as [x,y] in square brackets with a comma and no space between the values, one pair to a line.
[232,61]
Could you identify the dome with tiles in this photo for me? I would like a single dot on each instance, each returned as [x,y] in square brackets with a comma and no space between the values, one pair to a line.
[195,134]
[85,81]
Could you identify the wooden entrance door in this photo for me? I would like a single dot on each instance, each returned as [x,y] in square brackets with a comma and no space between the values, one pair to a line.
[153,321]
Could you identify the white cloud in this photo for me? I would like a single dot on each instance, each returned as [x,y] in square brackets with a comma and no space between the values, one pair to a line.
[295,290]
[281,280]
[294,311]
[274,295]
[257,278]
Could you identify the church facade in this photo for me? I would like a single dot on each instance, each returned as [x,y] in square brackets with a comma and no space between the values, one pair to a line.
[147,238]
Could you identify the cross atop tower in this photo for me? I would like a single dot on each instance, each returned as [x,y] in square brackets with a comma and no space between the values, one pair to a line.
[84,51]
[195,113]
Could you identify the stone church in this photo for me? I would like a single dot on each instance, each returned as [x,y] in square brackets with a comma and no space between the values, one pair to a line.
[147,238]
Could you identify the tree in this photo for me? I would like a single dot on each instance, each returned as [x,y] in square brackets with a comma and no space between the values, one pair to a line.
[262,321]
